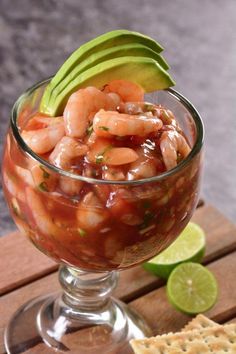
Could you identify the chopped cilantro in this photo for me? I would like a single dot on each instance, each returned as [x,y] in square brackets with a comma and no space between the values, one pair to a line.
[99,159]
[148,216]
[89,130]
[45,173]
[104,128]
[15,210]
[43,187]
[165,114]
[12,177]
[82,232]
[146,204]
[108,148]
[148,107]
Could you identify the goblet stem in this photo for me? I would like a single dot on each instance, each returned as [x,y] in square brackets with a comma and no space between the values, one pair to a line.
[85,292]
[85,318]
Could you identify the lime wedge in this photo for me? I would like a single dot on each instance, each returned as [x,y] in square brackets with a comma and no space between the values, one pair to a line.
[189,246]
[192,288]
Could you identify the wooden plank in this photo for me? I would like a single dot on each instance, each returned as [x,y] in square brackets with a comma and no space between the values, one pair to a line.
[22,262]
[232,320]
[133,282]
[220,232]
[16,250]
[154,306]
[34,264]
[167,319]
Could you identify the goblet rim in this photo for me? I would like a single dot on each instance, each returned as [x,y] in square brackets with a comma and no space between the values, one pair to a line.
[178,96]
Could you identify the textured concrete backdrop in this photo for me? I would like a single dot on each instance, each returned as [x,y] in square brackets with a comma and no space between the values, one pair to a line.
[200,41]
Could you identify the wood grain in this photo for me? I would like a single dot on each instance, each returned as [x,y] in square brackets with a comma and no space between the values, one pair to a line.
[220,232]
[168,319]
[21,261]
[232,320]
[134,283]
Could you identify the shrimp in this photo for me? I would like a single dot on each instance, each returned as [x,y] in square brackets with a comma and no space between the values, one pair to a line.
[149,192]
[119,156]
[41,217]
[144,167]
[69,186]
[122,205]
[23,227]
[115,97]
[45,139]
[90,212]
[172,143]
[102,191]
[113,173]
[42,178]
[102,152]
[11,184]
[80,105]
[8,145]
[65,151]
[128,91]
[166,116]
[112,246]
[41,120]
[25,175]
[108,123]
[91,139]
[55,234]
[133,107]
[152,110]
[97,149]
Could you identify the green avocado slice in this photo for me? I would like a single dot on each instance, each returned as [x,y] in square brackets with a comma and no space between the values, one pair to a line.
[146,72]
[105,41]
[139,50]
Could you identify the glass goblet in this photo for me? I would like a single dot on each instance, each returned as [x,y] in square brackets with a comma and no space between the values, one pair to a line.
[93,228]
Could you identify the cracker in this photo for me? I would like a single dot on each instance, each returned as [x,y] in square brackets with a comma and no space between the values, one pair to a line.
[196,347]
[218,339]
[199,322]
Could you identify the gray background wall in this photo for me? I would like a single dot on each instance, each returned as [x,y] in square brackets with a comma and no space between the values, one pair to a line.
[200,40]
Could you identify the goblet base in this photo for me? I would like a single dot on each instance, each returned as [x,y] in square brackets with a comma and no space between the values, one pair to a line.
[44,325]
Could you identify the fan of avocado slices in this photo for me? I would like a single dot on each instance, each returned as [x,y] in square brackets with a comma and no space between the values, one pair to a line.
[115,55]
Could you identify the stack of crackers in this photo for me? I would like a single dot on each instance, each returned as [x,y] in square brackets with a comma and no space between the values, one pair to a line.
[199,336]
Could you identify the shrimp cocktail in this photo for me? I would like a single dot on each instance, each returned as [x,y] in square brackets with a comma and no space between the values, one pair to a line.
[101,172]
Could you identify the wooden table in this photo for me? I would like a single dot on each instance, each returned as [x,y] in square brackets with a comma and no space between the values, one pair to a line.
[26,273]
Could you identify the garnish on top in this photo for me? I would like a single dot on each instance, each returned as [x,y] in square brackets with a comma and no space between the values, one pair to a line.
[107,130]
[116,55]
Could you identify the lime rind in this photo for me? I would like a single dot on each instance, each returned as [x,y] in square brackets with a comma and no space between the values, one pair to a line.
[190,241]
[189,246]
[192,288]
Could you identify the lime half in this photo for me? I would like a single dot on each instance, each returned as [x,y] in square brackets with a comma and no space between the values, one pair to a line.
[189,246]
[192,288]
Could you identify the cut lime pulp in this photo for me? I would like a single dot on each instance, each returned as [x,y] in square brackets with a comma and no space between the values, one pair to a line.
[189,246]
[192,288]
